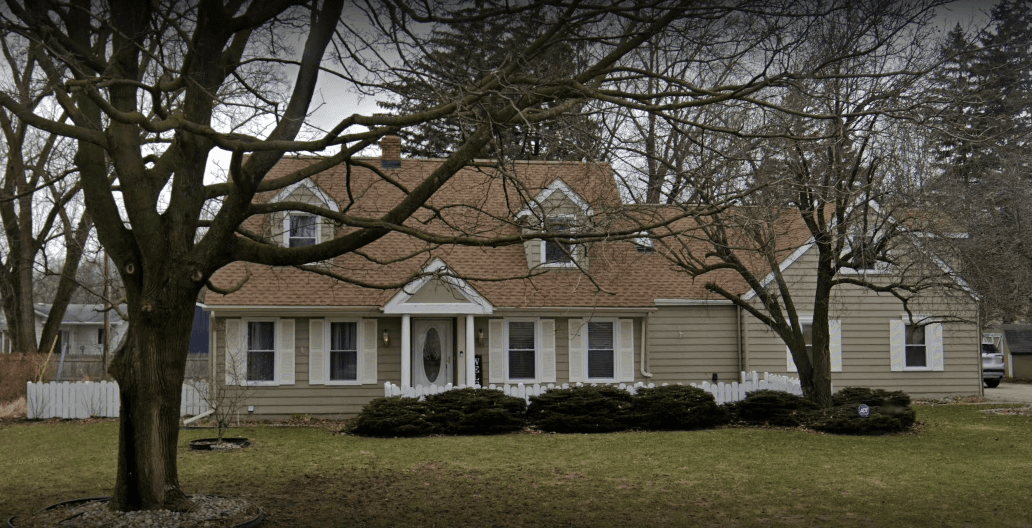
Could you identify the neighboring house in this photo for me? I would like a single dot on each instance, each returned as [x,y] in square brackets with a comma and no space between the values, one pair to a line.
[307,343]
[82,330]
[1016,346]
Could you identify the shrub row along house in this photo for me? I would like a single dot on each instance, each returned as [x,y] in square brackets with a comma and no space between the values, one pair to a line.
[325,340]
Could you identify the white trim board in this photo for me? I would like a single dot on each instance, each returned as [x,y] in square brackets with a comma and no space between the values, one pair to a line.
[557,185]
[438,270]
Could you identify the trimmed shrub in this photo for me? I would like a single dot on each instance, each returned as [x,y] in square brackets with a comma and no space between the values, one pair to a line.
[676,407]
[873,397]
[767,407]
[587,409]
[846,420]
[476,412]
[456,412]
[394,416]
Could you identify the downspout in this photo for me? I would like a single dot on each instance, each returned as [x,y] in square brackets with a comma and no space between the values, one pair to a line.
[211,344]
[644,337]
[738,325]
[978,350]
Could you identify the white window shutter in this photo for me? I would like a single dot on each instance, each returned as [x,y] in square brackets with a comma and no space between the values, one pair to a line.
[835,344]
[547,372]
[285,351]
[368,351]
[286,229]
[496,350]
[236,356]
[897,344]
[934,343]
[625,351]
[578,349]
[316,352]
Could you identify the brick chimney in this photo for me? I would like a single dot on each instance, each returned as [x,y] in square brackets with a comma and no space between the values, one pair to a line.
[390,152]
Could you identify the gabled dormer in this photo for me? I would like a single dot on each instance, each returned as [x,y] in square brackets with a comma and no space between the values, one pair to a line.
[556,209]
[301,228]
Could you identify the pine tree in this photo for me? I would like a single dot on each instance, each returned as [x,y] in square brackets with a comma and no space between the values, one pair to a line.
[959,122]
[463,56]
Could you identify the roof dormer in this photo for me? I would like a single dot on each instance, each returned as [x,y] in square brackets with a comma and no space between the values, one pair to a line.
[560,210]
[301,228]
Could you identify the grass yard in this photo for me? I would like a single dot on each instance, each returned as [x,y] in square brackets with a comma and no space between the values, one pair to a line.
[962,468]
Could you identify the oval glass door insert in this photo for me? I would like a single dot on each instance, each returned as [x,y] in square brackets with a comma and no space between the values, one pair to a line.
[432,355]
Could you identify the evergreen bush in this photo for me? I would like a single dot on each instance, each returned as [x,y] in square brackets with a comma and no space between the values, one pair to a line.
[873,397]
[394,416]
[475,412]
[586,409]
[846,419]
[768,407]
[676,407]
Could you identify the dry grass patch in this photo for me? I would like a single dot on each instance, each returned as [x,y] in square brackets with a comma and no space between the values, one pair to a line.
[13,409]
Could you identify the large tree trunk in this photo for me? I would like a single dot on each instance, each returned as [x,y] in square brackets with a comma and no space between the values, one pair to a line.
[820,364]
[22,313]
[149,369]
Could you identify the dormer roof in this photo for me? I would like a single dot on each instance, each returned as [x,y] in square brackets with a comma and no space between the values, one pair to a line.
[557,186]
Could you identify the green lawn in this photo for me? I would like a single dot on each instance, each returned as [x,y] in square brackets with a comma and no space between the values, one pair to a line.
[962,468]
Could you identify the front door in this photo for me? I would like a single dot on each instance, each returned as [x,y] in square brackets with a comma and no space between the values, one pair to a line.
[432,352]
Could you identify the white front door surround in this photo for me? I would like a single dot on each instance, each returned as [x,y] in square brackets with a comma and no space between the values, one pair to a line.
[433,352]
[455,349]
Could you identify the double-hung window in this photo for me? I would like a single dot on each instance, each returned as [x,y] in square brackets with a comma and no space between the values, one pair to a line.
[601,350]
[302,230]
[916,354]
[916,344]
[343,351]
[834,343]
[261,351]
[521,350]
[555,252]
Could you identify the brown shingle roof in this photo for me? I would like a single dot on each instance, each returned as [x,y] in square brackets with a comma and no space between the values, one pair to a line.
[475,202]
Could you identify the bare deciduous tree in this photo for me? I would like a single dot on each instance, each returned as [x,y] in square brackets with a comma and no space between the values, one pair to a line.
[40,206]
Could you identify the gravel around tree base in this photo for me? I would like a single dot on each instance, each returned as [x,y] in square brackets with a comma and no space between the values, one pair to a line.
[209,511]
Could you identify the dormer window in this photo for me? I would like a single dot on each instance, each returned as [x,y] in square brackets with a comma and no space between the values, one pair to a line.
[302,230]
[644,244]
[557,253]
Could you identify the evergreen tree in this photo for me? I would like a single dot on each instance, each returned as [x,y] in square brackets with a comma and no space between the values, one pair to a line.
[959,122]
[1005,70]
[461,56]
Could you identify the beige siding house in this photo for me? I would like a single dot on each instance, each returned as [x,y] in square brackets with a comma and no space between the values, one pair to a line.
[411,313]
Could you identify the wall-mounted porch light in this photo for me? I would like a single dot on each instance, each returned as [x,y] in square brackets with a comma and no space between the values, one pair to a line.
[480,337]
[386,338]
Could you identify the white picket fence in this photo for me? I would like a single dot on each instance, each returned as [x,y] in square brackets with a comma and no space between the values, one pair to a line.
[723,392]
[84,399]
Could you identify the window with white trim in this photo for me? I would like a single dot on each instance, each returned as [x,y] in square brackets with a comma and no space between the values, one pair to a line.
[343,351]
[261,351]
[916,354]
[555,253]
[301,230]
[601,350]
[916,344]
[521,350]
[834,343]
